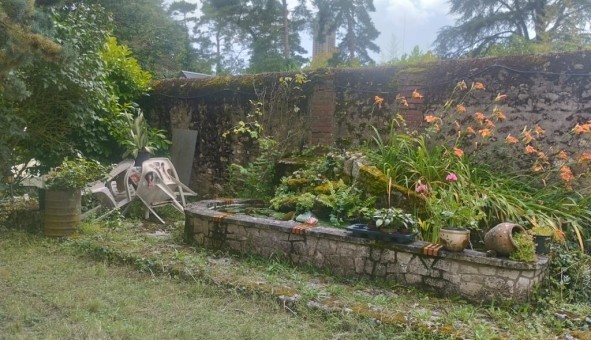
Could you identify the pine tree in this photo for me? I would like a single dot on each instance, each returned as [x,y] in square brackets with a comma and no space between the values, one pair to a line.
[354,27]
[486,24]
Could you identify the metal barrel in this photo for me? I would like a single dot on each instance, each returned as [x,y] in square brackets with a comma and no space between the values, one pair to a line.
[62,212]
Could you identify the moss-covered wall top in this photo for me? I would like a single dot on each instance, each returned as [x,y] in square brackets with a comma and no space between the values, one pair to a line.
[552,90]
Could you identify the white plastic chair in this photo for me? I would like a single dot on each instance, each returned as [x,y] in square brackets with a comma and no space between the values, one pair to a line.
[159,185]
[117,191]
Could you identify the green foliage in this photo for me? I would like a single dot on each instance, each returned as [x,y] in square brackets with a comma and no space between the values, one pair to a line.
[345,202]
[255,180]
[320,188]
[158,42]
[415,57]
[125,76]
[137,136]
[485,26]
[569,277]
[393,217]
[526,248]
[75,174]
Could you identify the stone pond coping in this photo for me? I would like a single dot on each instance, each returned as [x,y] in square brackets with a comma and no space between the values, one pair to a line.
[470,273]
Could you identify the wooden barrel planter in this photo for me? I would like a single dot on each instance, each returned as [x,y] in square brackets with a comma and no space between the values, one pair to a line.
[62,212]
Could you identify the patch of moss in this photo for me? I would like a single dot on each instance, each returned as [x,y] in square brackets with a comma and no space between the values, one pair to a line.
[526,248]
[327,187]
[293,183]
[372,180]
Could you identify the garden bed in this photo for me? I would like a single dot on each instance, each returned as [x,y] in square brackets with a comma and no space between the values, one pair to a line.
[470,274]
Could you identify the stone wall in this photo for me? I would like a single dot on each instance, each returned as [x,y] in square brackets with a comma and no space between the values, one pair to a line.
[336,107]
[470,274]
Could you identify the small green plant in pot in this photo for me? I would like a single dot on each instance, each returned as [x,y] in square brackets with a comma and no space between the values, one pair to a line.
[399,225]
[63,186]
[141,141]
[542,236]
[525,251]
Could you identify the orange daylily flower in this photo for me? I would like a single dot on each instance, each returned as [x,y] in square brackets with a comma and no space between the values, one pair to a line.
[539,131]
[378,100]
[567,176]
[479,116]
[498,114]
[459,152]
[580,129]
[542,156]
[585,157]
[416,95]
[562,155]
[478,86]
[470,130]
[485,132]
[530,149]
[527,137]
[500,97]
[461,108]
[489,123]
[511,140]
[430,119]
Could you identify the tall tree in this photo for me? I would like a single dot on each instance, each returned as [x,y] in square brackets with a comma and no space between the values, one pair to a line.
[156,39]
[354,27]
[483,24]
[219,39]
[25,38]
[184,9]
[261,25]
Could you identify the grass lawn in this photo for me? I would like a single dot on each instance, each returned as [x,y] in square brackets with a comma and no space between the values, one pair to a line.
[47,292]
[131,279]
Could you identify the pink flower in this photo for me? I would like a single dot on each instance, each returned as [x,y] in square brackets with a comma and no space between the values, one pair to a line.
[451,177]
[421,188]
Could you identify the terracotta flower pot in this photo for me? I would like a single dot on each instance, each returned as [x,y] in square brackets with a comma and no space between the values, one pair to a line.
[500,238]
[454,239]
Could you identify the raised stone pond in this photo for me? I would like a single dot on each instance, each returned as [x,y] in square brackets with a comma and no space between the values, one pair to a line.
[470,274]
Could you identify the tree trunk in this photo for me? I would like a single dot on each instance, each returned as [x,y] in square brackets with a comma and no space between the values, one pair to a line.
[285,31]
[540,20]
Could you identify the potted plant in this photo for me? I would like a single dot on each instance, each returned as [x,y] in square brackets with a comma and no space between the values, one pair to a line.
[525,248]
[141,141]
[542,238]
[63,187]
[388,224]
[454,210]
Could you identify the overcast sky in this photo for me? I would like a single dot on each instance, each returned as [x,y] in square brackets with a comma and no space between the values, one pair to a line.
[402,24]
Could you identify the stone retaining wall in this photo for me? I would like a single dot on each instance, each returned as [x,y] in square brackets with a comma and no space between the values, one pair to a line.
[470,274]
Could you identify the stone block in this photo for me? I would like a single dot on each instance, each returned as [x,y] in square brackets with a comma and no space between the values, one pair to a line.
[497,283]
[434,283]
[470,288]
[467,268]
[413,279]
[528,273]
[451,277]
[380,270]
[420,266]
[389,256]
[510,274]
[359,264]
[475,278]
[523,284]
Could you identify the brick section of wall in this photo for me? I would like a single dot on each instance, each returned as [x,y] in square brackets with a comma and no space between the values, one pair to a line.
[413,112]
[322,108]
